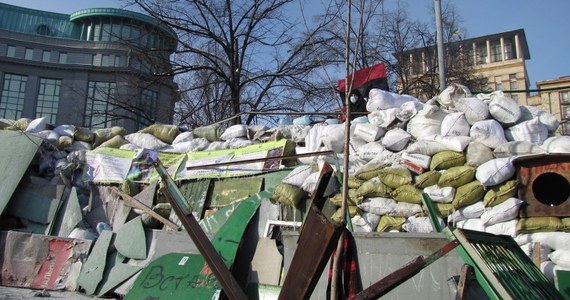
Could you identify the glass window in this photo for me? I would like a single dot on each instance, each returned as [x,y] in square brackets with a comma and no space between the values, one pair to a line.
[498,83]
[29,54]
[11,51]
[564,98]
[496,51]
[105,60]
[96,32]
[117,61]
[509,49]
[565,111]
[513,81]
[482,53]
[48,99]
[46,56]
[12,99]
[148,101]
[106,32]
[62,57]
[99,104]
[566,128]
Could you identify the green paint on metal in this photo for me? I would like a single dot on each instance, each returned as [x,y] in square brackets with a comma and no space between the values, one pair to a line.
[17,150]
[187,276]
[262,292]
[115,273]
[226,191]
[130,240]
[195,192]
[273,179]
[33,206]
[71,216]
[93,269]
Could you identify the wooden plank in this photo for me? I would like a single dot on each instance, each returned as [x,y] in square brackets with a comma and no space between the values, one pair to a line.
[215,263]
[135,203]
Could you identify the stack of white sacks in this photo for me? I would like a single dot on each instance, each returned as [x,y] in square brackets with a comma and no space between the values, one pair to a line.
[459,149]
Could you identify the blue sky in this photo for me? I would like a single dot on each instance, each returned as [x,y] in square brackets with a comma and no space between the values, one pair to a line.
[545,23]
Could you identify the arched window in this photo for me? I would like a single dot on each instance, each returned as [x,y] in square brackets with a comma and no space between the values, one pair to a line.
[43,29]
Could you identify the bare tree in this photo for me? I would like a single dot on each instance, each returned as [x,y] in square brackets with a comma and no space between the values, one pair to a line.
[242,56]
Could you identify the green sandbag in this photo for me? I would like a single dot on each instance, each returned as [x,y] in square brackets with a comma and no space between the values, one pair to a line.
[426,179]
[456,176]
[468,194]
[115,142]
[212,132]
[373,188]
[353,198]
[20,125]
[446,159]
[539,224]
[354,183]
[337,215]
[83,134]
[288,194]
[104,134]
[165,133]
[407,193]
[388,223]
[500,193]
[395,177]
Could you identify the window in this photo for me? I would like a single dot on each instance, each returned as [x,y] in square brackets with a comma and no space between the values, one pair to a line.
[48,99]
[498,83]
[564,97]
[515,97]
[566,128]
[106,32]
[96,32]
[29,54]
[117,61]
[482,53]
[62,58]
[12,99]
[509,49]
[100,98]
[147,102]
[11,51]
[105,60]
[46,56]
[496,51]
[513,81]
[565,112]
[43,30]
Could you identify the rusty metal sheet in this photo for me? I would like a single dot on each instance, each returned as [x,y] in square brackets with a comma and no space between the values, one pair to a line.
[41,262]
[544,184]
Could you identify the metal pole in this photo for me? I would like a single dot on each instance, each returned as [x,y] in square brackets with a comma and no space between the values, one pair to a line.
[440,53]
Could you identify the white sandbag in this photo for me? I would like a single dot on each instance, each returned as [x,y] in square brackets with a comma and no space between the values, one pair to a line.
[145,140]
[408,110]
[453,143]
[369,132]
[505,228]
[360,120]
[554,240]
[130,146]
[455,124]
[333,137]
[405,209]
[505,211]
[181,147]
[234,131]
[488,132]
[298,175]
[79,145]
[561,258]
[529,249]
[474,108]
[310,185]
[450,93]
[313,139]
[495,171]
[550,269]
[557,144]
[517,148]
[546,118]
[378,205]
[383,118]
[369,151]
[49,136]
[440,194]
[426,147]
[471,224]
[532,131]
[216,145]
[380,100]
[366,222]
[478,154]
[504,109]
[427,122]
[183,137]
[396,139]
[310,159]
[236,143]
[65,130]
[37,125]
[417,159]
[472,211]
[420,224]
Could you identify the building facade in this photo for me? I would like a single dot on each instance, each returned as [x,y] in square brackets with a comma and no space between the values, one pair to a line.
[497,59]
[554,97]
[95,68]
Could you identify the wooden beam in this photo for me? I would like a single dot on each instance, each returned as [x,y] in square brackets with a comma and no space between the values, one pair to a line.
[137,204]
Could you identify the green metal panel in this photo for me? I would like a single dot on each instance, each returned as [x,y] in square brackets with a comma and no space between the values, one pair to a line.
[131,240]
[187,276]
[93,269]
[195,193]
[226,191]
[17,150]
